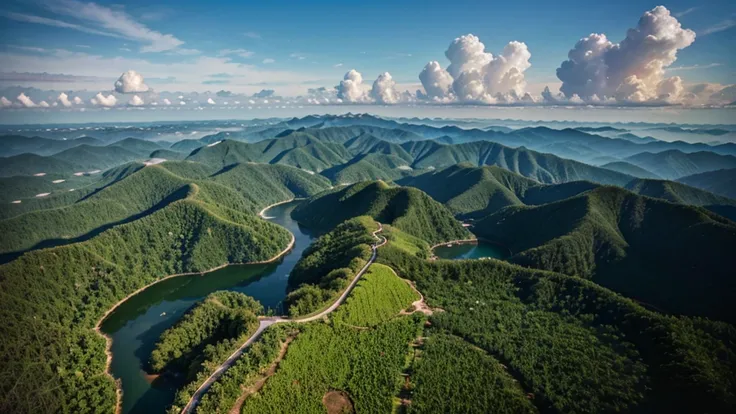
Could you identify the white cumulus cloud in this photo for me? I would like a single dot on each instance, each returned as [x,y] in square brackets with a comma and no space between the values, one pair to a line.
[630,71]
[136,101]
[25,100]
[102,100]
[350,88]
[77,100]
[211,101]
[384,89]
[130,82]
[43,104]
[5,102]
[64,100]
[166,101]
[475,75]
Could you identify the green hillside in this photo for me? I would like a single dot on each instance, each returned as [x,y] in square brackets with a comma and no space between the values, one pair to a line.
[674,164]
[101,158]
[545,168]
[221,320]
[475,192]
[244,188]
[407,209]
[138,146]
[187,145]
[677,193]
[16,144]
[569,344]
[369,167]
[31,164]
[167,154]
[629,169]
[671,256]
[53,360]
[721,182]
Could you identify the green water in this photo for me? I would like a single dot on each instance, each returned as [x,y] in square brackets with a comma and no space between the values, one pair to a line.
[136,325]
[472,251]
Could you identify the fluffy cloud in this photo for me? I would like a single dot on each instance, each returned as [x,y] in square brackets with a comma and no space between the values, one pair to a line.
[211,101]
[43,104]
[350,88]
[102,100]
[630,71]
[384,89]
[25,101]
[166,101]
[136,101]
[77,100]
[475,75]
[130,82]
[64,100]
[436,81]
[5,102]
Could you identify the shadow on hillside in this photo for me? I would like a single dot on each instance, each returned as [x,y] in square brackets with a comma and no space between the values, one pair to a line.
[177,195]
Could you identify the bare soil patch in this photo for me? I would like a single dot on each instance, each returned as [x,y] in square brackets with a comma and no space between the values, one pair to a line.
[338,402]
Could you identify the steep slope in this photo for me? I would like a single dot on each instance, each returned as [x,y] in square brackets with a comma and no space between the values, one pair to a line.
[672,256]
[30,164]
[674,164]
[100,158]
[55,296]
[187,145]
[721,182]
[243,188]
[677,193]
[11,145]
[369,167]
[544,168]
[137,146]
[475,192]
[629,169]
[407,209]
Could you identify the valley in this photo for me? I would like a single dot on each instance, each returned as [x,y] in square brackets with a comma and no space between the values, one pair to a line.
[366,264]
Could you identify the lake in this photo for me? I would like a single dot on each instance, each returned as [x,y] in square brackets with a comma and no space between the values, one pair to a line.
[136,325]
[472,251]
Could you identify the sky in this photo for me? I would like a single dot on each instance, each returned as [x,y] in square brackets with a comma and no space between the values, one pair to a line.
[635,53]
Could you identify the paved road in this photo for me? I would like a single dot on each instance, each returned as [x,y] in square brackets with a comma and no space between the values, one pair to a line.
[265,322]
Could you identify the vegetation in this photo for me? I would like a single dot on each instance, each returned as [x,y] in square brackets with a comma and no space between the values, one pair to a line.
[721,182]
[329,265]
[52,359]
[135,194]
[672,256]
[677,193]
[365,364]
[575,346]
[248,369]
[378,296]
[452,376]
[407,209]
[630,169]
[475,192]
[221,315]
[674,164]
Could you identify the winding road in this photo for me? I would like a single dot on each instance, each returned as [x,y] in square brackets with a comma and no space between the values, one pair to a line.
[267,321]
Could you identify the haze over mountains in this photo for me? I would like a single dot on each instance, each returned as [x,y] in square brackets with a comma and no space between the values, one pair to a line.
[605,246]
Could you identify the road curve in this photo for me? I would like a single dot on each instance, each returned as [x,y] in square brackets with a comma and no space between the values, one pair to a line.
[267,321]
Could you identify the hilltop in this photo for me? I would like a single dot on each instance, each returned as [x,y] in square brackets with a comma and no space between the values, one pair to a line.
[408,209]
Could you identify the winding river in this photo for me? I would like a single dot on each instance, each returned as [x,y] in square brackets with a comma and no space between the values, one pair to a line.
[136,324]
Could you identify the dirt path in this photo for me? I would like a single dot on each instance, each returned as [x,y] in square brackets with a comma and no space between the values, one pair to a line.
[261,381]
[108,339]
[265,322]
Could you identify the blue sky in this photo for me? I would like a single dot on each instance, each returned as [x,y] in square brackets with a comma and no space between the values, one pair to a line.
[290,46]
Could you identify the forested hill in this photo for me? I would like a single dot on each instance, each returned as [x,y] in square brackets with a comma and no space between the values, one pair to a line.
[408,209]
[721,182]
[675,257]
[470,191]
[246,188]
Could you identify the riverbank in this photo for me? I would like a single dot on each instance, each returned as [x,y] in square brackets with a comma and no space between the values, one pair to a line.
[260,213]
[108,338]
